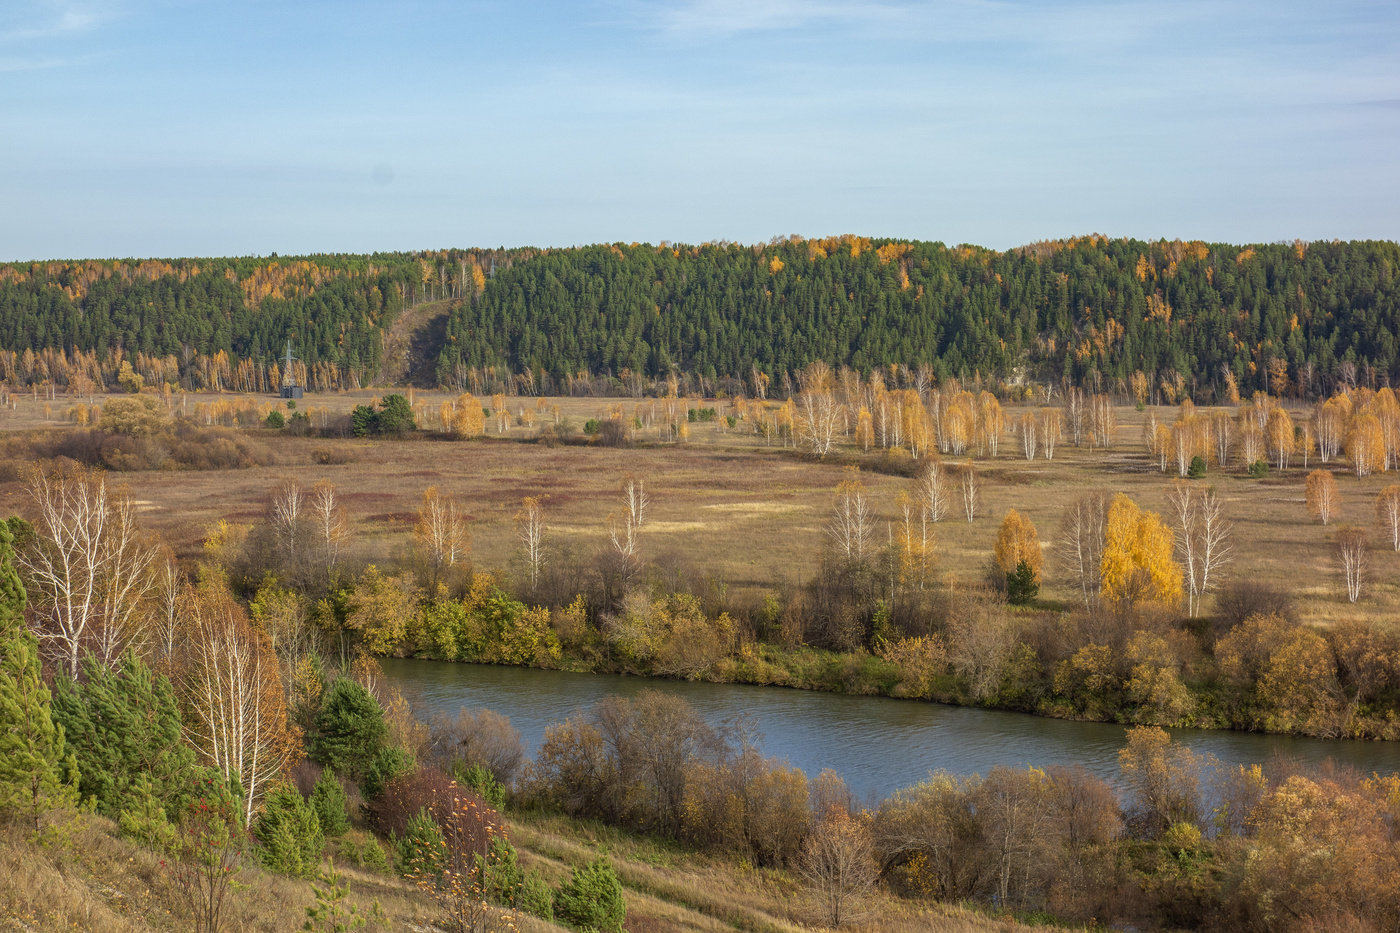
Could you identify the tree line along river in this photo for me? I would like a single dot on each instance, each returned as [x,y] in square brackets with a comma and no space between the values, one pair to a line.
[877,744]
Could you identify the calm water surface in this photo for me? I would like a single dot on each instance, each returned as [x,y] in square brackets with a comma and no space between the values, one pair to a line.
[877,744]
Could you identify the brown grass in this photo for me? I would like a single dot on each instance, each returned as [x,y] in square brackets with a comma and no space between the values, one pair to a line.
[671,890]
[739,510]
[105,884]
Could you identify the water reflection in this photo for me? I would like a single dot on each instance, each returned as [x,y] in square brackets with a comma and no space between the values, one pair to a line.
[877,744]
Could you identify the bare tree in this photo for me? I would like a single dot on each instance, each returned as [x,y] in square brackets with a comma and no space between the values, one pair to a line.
[1388,513]
[818,412]
[88,568]
[837,860]
[1051,427]
[442,532]
[238,719]
[1203,543]
[1080,542]
[623,528]
[332,528]
[971,488]
[169,613]
[980,639]
[933,493]
[852,524]
[285,512]
[1075,415]
[1014,814]
[1222,435]
[529,528]
[1029,433]
[1351,551]
[1103,421]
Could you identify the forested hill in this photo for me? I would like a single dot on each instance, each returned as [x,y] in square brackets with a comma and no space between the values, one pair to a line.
[1065,308]
[221,323]
[1091,309]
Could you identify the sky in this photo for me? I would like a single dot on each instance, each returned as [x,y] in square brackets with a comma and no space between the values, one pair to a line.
[163,128]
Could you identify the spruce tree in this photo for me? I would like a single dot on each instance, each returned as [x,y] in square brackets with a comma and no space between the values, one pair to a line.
[350,730]
[328,800]
[124,726]
[31,744]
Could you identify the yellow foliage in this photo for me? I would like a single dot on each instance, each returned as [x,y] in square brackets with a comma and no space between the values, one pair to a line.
[1137,562]
[1018,541]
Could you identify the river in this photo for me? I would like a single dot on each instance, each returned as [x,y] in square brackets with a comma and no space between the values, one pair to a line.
[877,744]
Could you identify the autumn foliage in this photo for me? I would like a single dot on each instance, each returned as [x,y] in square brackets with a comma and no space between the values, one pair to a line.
[1138,563]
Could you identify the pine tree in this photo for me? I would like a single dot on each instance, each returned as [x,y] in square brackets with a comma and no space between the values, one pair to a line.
[350,730]
[328,800]
[31,744]
[124,727]
[290,833]
[1021,585]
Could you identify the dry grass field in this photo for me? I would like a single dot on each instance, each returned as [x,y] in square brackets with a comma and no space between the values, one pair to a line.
[728,504]
[102,883]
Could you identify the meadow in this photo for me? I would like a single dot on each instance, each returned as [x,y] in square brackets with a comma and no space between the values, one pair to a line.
[742,510]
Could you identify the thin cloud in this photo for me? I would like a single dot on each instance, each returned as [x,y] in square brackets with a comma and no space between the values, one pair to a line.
[703,18]
[53,19]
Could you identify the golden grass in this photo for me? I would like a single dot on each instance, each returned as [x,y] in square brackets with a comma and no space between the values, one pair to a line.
[743,511]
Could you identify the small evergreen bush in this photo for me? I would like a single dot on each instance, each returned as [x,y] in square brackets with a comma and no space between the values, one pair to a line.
[1197,469]
[592,899]
[289,832]
[1259,469]
[480,779]
[420,852]
[501,876]
[1021,587]
[275,420]
[328,800]
[367,854]
[536,897]
[143,818]
[391,762]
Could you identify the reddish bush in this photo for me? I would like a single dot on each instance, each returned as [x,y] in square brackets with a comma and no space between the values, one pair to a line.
[467,823]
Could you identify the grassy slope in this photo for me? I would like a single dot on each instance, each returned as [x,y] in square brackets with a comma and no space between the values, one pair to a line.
[105,884]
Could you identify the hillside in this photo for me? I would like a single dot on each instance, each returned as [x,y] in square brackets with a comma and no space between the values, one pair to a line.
[1294,319]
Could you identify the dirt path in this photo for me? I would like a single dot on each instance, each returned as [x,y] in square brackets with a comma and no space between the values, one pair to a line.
[411,345]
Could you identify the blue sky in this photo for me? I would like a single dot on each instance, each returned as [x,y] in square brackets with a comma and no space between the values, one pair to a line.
[142,127]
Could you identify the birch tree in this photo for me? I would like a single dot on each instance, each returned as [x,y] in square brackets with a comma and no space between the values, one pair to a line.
[1388,513]
[852,524]
[238,720]
[442,533]
[331,526]
[88,567]
[1203,544]
[1351,553]
[818,412]
[529,528]
[933,492]
[1051,427]
[1080,542]
[971,489]
[1322,496]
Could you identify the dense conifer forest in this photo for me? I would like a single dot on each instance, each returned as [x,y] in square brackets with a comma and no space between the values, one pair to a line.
[1090,310]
